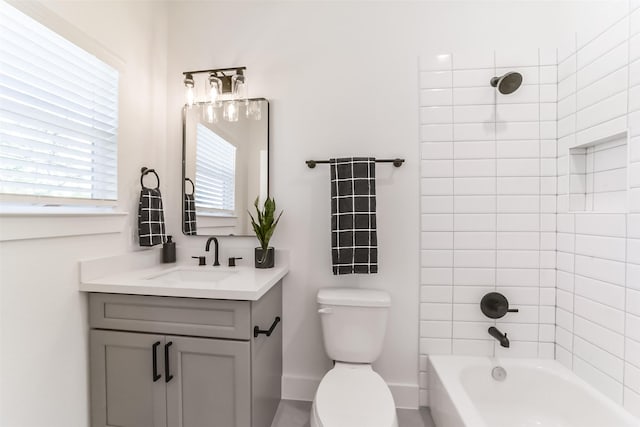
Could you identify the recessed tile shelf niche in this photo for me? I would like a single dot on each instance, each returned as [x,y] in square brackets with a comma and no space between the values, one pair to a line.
[598,180]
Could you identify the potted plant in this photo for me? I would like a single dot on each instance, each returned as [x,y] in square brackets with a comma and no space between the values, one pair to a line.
[264,228]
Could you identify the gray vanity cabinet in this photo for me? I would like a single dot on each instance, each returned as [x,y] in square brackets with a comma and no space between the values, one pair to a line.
[209,370]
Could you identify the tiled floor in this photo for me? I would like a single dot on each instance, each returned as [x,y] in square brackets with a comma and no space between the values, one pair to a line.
[295,413]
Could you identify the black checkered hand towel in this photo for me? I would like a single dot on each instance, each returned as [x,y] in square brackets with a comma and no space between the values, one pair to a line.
[190,215]
[353,215]
[189,227]
[151,230]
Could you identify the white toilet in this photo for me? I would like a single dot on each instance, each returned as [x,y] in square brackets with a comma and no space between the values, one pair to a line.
[352,394]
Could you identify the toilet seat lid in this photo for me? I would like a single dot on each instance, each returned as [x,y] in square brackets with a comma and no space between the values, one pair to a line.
[357,396]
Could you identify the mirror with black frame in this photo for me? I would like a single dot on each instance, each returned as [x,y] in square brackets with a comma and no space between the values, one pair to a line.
[225,165]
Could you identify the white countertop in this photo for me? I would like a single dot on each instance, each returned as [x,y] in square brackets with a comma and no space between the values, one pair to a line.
[243,283]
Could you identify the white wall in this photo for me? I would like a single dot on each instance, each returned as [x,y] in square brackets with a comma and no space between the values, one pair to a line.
[43,319]
[342,79]
[598,258]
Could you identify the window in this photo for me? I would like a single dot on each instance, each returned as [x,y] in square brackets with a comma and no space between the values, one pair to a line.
[58,115]
[215,172]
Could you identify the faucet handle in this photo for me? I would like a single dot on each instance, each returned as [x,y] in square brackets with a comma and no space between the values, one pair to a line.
[201,260]
[494,305]
[232,261]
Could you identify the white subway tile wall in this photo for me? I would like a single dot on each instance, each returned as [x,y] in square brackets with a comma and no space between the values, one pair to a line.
[598,266]
[506,208]
[488,191]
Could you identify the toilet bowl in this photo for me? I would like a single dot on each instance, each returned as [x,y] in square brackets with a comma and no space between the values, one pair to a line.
[352,394]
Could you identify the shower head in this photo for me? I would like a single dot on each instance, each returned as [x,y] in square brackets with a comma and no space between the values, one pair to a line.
[507,83]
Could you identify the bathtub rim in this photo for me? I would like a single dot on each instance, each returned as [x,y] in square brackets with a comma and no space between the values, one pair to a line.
[448,370]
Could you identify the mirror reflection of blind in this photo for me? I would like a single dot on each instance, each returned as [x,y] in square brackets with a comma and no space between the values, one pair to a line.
[215,172]
[58,114]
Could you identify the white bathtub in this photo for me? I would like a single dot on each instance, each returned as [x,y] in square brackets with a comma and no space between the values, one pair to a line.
[540,393]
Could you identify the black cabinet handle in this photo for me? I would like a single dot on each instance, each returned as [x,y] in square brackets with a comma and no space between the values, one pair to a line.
[154,351]
[167,374]
[257,331]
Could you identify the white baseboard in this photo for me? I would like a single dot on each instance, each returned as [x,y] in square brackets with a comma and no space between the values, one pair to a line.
[406,396]
[299,388]
[304,388]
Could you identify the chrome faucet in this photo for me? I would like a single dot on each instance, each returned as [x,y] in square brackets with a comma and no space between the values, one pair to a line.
[216,263]
[502,338]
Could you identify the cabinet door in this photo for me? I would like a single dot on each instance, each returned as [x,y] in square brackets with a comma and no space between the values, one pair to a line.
[123,390]
[211,383]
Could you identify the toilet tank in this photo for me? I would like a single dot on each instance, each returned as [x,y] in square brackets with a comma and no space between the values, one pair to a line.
[354,322]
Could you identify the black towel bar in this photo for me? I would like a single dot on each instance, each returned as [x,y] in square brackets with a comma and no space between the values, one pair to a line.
[396,162]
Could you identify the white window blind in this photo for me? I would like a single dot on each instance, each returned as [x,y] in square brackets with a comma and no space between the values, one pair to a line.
[58,114]
[215,172]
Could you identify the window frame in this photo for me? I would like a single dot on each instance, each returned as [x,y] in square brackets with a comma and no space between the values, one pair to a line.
[20,215]
[52,21]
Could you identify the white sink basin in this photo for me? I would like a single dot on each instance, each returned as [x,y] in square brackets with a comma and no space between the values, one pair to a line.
[192,275]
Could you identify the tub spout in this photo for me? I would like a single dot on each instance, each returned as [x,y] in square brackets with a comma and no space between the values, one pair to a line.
[502,338]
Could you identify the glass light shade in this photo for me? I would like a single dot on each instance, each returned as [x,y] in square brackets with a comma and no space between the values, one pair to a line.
[230,111]
[238,86]
[215,88]
[211,114]
[213,93]
[254,111]
[190,96]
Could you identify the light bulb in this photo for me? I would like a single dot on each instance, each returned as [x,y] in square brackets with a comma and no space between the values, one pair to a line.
[230,112]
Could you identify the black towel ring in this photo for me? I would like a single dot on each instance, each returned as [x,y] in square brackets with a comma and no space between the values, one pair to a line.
[193,187]
[145,171]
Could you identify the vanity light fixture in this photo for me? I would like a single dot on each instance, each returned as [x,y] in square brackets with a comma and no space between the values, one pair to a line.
[226,89]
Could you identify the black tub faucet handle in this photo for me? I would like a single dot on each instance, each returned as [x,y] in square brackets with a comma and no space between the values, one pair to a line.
[494,305]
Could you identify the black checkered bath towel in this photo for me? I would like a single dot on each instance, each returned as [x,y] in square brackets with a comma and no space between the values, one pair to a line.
[151,229]
[353,215]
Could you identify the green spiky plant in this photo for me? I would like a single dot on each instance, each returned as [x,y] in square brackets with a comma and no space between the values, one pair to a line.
[266,223]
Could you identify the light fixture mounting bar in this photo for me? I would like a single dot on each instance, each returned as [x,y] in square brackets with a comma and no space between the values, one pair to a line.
[221,70]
